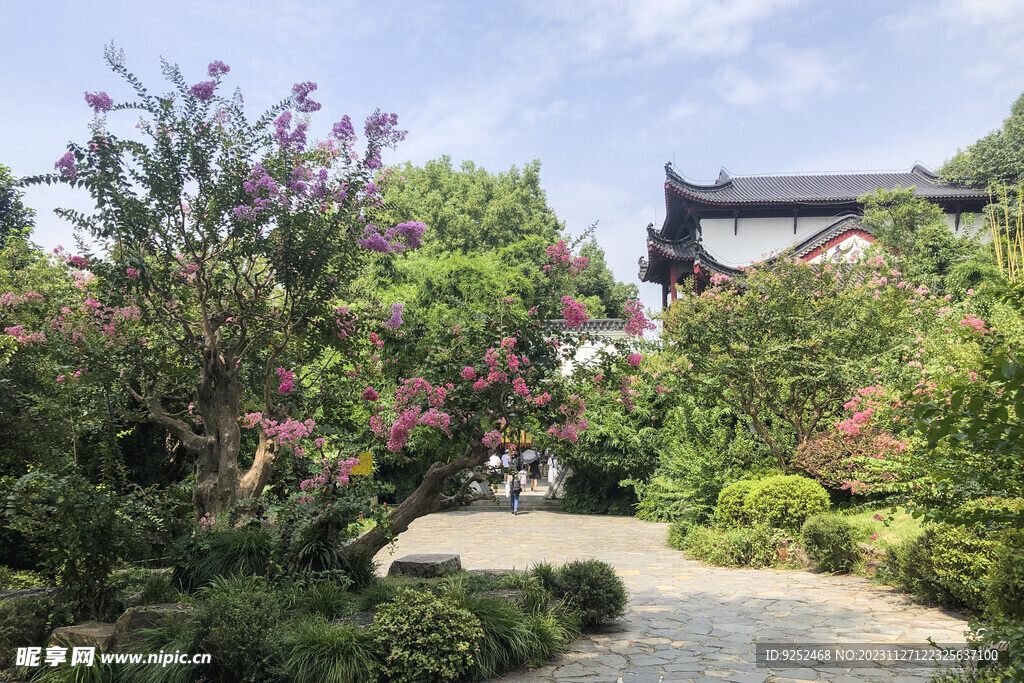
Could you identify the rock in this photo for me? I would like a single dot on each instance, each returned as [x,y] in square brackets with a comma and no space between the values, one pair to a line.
[28,593]
[134,619]
[96,634]
[426,566]
[359,619]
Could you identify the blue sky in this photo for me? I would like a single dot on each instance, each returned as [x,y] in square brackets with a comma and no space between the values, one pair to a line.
[602,92]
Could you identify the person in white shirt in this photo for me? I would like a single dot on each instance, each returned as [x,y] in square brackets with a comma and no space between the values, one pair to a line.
[494,464]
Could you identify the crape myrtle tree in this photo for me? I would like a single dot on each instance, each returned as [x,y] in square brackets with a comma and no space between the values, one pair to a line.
[485,372]
[228,240]
[788,344]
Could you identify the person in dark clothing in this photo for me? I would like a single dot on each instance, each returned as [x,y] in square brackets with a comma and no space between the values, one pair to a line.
[516,488]
[534,474]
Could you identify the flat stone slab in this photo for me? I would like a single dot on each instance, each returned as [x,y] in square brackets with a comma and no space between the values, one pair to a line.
[135,619]
[17,593]
[426,565]
[96,634]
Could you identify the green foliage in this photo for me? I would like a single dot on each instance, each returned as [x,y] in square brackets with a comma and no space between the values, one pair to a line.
[16,220]
[731,510]
[755,546]
[677,533]
[597,492]
[77,529]
[14,580]
[594,590]
[241,620]
[1006,580]
[797,340]
[176,632]
[329,599]
[832,542]
[423,637]
[701,444]
[23,622]
[785,501]
[244,551]
[322,652]
[914,229]
[997,157]
[945,564]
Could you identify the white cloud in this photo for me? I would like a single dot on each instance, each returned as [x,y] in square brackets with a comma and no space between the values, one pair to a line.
[684,109]
[787,78]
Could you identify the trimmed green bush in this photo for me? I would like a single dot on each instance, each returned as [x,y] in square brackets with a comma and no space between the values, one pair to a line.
[831,541]
[677,533]
[1006,580]
[425,638]
[945,564]
[747,547]
[731,510]
[594,590]
[24,622]
[785,501]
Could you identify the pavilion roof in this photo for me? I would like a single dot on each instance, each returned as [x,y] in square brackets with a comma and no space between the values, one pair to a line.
[813,188]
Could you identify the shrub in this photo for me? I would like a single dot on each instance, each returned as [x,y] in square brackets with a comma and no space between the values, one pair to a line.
[746,547]
[11,579]
[785,501]
[594,590]
[176,632]
[550,577]
[422,637]
[245,551]
[1006,581]
[831,541]
[321,652]
[23,622]
[240,618]
[731,509]
[946,564]
[507,642]
[677,532]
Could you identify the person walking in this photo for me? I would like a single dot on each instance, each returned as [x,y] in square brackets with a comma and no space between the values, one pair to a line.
[515,488]
[534,474]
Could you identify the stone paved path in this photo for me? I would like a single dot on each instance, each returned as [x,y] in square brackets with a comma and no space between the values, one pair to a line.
[685,621]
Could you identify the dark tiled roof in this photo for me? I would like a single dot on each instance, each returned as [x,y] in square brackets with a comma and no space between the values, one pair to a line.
[810,188]
[594,324]
[843,224]
[679,250]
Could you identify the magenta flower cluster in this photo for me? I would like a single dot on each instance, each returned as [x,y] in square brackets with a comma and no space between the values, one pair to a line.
[100,102]
[203,90]
[575,422]
[217,68]
[301,91]
[395,321]
[285,136]
[337,473]
[369,394]
[560,256]
[636,321]
[23,337]
[66,166]
[287,379]
[394,240]
[574,312]
[492,439]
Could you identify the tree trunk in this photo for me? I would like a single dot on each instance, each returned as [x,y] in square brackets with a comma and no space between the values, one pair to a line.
[424,500]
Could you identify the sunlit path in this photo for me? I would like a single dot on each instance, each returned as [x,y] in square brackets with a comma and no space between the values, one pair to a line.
[686,621]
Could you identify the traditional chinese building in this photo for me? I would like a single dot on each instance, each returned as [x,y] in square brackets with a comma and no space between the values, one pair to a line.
[740,220]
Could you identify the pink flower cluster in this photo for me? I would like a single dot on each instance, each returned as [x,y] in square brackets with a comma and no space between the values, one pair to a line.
[634,359]
[410,416]
[559,256]
[331,472]
[287,378]
[11,299]
[492,439]
[207,521]
[574,420]
[975,323]
[369,394]
[637,322]
[23,337]
[574,312]
[719,278]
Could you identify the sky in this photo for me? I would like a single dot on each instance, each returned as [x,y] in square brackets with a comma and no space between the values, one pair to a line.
[602,92]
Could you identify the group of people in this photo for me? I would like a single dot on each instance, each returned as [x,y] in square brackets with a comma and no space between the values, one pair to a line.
[518,473]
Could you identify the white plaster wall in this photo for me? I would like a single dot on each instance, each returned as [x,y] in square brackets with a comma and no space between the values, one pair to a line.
[756,238]
[587,351]
[854,243]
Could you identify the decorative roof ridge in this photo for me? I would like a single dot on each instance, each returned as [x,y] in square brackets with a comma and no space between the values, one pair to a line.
[725,177]
[833,229]
[609,324]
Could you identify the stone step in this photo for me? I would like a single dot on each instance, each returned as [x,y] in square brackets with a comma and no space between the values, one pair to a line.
[525,505]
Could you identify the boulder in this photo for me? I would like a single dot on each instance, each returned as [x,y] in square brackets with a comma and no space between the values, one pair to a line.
[426,566]
[28,593]
[96,634]
[359,619]
[135,619]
